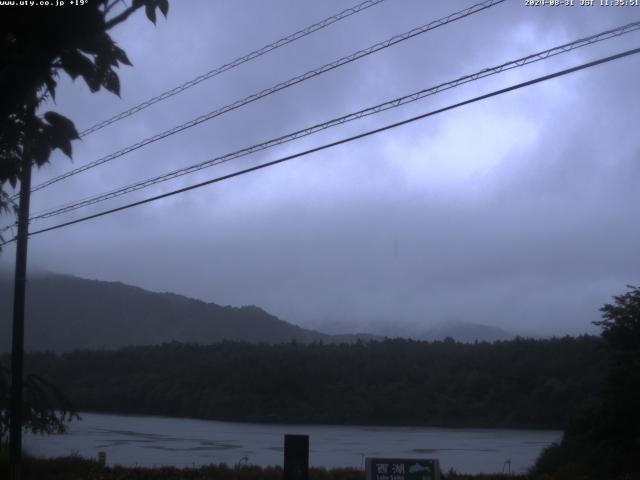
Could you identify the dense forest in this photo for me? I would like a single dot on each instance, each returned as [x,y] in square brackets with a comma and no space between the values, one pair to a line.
[518,383]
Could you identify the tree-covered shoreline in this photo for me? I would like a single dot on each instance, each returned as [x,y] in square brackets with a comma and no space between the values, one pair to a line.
[523,383]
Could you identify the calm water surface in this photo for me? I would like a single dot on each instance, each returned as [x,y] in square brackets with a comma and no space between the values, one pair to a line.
[149,441]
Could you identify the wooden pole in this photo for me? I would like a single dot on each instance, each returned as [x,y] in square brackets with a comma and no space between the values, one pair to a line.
[17,343]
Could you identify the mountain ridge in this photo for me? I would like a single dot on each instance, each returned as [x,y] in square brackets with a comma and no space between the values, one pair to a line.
[65,313]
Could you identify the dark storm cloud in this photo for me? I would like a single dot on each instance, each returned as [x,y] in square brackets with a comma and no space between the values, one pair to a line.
[517,211]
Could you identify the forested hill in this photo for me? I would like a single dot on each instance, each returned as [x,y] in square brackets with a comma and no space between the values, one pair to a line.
[518,383]
[66,313]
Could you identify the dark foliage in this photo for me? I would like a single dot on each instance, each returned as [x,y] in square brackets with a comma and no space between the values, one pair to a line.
[604,441]
[45,408]
[75,468]
[520,383]
[36,45]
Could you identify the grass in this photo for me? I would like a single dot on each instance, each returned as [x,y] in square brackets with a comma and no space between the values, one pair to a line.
[78,468]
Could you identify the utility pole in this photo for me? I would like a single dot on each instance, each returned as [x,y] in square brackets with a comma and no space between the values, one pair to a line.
[19,290]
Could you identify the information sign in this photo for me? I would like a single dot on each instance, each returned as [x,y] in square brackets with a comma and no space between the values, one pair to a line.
[402,469]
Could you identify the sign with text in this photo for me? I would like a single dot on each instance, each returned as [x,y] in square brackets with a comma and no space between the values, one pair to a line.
[402,469]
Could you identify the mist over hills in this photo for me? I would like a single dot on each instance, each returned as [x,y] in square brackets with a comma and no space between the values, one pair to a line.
[466,332]
[67,313]
[459,330]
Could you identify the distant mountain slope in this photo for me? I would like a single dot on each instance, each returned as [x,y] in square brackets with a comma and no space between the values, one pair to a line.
[467,332]
[66,313]
[460,331]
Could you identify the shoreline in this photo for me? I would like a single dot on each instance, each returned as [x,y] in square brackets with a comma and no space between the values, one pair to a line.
[266,422]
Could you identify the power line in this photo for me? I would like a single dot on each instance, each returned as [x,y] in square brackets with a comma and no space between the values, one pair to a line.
[345,140]
[234,63]
[608,34]
[293,81]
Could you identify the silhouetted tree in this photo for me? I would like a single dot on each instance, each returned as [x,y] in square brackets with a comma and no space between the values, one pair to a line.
[36,45]
[621,333]
[45,408]
[604,441]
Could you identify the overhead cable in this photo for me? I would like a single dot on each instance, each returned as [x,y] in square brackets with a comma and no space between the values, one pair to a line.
[234,63]
[280,86]
[343,141]
[520,62]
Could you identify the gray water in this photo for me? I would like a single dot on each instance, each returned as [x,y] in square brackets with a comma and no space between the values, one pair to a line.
[155,441]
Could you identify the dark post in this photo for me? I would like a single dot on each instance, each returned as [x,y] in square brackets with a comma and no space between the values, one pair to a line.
[296,457]
[17,344]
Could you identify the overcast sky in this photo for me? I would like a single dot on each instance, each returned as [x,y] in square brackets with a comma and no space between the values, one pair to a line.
[519,211]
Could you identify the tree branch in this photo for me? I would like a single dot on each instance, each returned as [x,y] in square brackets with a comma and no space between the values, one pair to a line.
[121,17]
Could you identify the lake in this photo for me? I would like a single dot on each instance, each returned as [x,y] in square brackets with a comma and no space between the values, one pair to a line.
[154,441]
